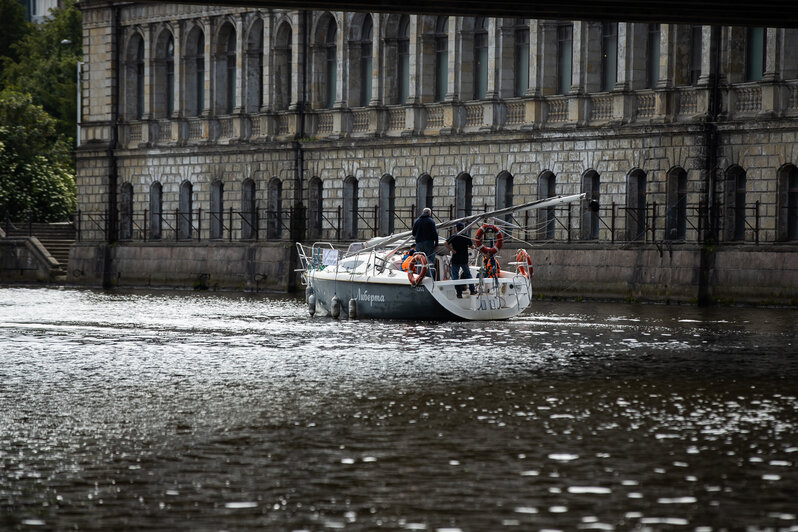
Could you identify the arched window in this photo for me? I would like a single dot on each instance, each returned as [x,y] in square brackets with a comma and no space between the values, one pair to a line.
[735,203]
[387,204]
[249,210]
[792,205]
[609,56]
[350,208]
[274,221]
[185,221]
[315,207]
[126,212]
[565,52]
[156,211]
[365,61]
[254,67]
[591,183]
[195,72]
[282,67]
[547,187]
[134,78]
[521,56]
[423,193]
[652,56]
[164,76]
[755,54]
[504,193]
[403,69]
[636,205]
[331,69]
[225,66]
[676,212]
[217,209]
[441,58]
[480,58]
[462,196]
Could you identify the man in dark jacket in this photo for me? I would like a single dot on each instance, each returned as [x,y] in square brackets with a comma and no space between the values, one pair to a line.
[459,245]
[426,234]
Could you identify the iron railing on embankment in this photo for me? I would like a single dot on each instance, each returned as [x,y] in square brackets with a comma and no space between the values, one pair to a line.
[649,223]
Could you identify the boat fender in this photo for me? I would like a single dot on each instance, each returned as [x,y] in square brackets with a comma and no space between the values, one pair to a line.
[312,304]
[335,307]
[498,239]
[308,293]
[525,263]
[352,309]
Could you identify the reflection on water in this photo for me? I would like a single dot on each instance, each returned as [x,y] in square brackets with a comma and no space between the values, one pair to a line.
[163,410]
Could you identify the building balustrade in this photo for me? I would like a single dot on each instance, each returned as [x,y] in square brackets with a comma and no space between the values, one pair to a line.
[683,104]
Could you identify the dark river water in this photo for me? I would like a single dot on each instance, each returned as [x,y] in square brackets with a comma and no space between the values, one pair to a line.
[130,411]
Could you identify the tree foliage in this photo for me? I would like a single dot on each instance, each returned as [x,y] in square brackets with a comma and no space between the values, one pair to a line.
[35,169]
[12,15]
[43,63]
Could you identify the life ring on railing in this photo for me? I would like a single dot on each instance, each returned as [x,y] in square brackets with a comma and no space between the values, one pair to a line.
[524,263]
[417,268]
[498,243]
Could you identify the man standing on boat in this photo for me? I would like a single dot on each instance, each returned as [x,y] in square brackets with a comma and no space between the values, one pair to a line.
[426,234]
[459,245]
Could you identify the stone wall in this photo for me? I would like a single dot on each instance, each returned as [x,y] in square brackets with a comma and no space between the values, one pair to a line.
[26,260]
[223,266]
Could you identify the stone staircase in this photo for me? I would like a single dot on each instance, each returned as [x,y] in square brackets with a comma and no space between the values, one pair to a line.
[55,237]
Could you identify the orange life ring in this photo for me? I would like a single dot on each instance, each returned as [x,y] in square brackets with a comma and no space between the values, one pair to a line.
[417,277]
[499,239]
[525,268]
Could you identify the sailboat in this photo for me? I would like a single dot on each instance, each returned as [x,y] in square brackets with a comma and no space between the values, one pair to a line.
[377,279]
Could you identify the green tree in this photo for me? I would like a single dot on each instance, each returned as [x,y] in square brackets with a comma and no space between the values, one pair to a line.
[46,67]
[12,15]
[35,167]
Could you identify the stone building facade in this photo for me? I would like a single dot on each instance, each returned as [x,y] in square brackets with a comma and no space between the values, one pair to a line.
[245,127]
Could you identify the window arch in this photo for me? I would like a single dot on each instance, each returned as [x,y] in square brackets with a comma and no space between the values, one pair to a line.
[194,61]
[547,187]
[463,199]
[249,210]
[735,192]
[504,193]
[365,48]
[387,204]
[521,56]
[565,52]
[424,193]
[609,56]
[274,220]
[217,209]
[350,208]
[164,76]
[591,187]
[185,221]
[134,78]
[403,70]
[676,210]
[480,58]
[315,207]
[156,210]
[441,58]
[282,67]
[254,67]
[326,63]
[225,68]
[636,204]
[126,212]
